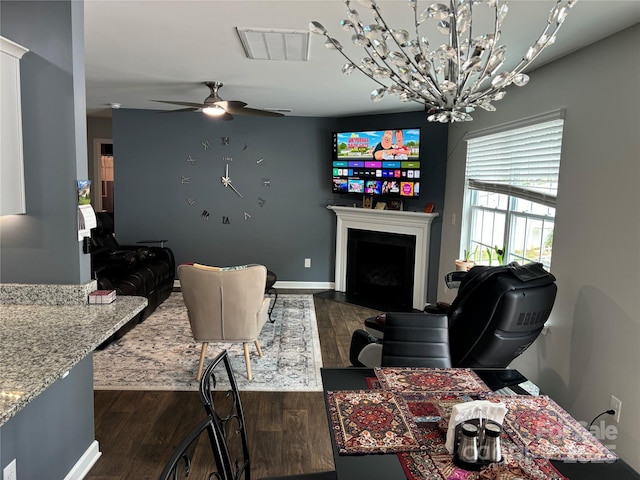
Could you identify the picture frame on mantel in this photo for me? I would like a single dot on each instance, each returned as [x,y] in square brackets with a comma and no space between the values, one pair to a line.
[394,205]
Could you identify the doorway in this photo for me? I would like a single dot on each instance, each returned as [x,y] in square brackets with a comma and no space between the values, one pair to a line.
[103,175]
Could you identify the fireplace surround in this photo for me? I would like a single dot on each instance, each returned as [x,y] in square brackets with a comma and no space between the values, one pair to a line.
[414,224]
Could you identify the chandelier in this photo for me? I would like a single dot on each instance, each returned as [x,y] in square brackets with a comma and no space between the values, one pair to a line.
[453,78]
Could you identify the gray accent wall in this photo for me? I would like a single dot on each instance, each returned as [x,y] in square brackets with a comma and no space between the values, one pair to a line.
[152,201]
[593,347]
[42,246]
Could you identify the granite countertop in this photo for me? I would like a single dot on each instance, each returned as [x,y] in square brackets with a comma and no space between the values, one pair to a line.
[40,343]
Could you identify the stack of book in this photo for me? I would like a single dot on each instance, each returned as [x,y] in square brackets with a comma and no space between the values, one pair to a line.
[102,296]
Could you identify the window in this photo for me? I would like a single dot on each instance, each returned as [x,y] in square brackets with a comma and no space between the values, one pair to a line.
[511,183]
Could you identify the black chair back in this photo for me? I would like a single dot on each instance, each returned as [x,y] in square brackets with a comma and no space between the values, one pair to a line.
[415,340]
[498,313]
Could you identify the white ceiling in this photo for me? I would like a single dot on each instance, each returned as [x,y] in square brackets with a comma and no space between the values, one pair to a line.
[139,50]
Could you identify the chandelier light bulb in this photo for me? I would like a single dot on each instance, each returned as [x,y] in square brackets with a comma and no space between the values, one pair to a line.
[459,74]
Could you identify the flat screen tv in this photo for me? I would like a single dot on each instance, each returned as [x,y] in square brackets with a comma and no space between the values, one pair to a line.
[382,163]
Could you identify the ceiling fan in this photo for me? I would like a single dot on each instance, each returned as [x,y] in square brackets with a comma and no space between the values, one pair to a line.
[225,109]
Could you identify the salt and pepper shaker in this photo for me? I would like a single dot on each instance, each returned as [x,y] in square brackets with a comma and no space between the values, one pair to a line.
[468,446]
[490,449]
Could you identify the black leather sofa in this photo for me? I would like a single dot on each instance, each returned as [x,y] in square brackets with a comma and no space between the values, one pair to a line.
[140,270]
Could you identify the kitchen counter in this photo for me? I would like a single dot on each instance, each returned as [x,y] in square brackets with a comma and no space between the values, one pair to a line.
[39,344]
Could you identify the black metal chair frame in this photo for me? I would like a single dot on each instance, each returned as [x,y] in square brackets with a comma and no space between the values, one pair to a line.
[181,460]
[226,423]
[271,290]
[231,422]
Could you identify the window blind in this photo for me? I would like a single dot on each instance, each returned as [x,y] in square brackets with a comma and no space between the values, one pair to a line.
[523,162]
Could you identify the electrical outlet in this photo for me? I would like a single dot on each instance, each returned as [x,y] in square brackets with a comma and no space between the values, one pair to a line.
[616,405]
[9,472]
[307,263]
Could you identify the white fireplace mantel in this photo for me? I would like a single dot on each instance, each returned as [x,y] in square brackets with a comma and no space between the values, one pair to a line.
[417,224]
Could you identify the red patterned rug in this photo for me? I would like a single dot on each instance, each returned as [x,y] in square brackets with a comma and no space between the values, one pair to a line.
[437,464]
[541,427]
[425,407]
[433,380]
[371,422]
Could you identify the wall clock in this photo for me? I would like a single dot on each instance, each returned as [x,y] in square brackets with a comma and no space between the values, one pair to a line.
[230,186]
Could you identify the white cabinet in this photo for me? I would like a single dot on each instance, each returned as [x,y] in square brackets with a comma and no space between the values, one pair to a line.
[12,198]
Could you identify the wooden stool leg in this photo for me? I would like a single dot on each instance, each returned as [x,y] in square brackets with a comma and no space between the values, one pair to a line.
[258,347]
[247,360]
[203,353]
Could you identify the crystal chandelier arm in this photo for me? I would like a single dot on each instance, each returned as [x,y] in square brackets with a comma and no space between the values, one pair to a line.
[338,47]
[319,29]
[455,69]
[358,28]
[430,80]
[380,21]
[489,54]
[541,45]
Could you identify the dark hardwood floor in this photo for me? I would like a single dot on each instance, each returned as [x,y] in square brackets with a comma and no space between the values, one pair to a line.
[288,431]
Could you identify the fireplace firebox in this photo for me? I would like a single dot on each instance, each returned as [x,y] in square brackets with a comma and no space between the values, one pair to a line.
[380,267]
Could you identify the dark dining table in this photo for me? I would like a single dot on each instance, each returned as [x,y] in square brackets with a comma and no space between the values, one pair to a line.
[388,467]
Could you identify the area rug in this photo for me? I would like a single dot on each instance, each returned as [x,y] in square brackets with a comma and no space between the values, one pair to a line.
[160,353]
[371,421]
[432,380]
[544,429]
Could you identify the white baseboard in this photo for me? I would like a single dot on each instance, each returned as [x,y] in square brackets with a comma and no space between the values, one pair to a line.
[305,285]
[86,461]
[292,285]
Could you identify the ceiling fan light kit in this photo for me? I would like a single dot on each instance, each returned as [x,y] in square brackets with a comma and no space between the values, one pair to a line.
[450,79]
[214,110]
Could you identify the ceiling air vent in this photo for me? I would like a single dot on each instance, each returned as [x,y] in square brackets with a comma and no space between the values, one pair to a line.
[274,44]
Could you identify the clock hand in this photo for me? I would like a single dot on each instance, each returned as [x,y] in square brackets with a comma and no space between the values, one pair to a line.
[234,189]
[226,180]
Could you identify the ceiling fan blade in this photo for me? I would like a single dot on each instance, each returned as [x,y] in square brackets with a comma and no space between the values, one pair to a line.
[230,106]
[185,104]
[188,109]
[256,112]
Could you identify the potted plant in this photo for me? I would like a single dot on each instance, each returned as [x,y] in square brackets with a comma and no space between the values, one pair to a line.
[499,255]
[465,264]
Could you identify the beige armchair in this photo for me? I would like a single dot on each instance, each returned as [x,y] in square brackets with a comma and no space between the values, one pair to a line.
[225,305]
